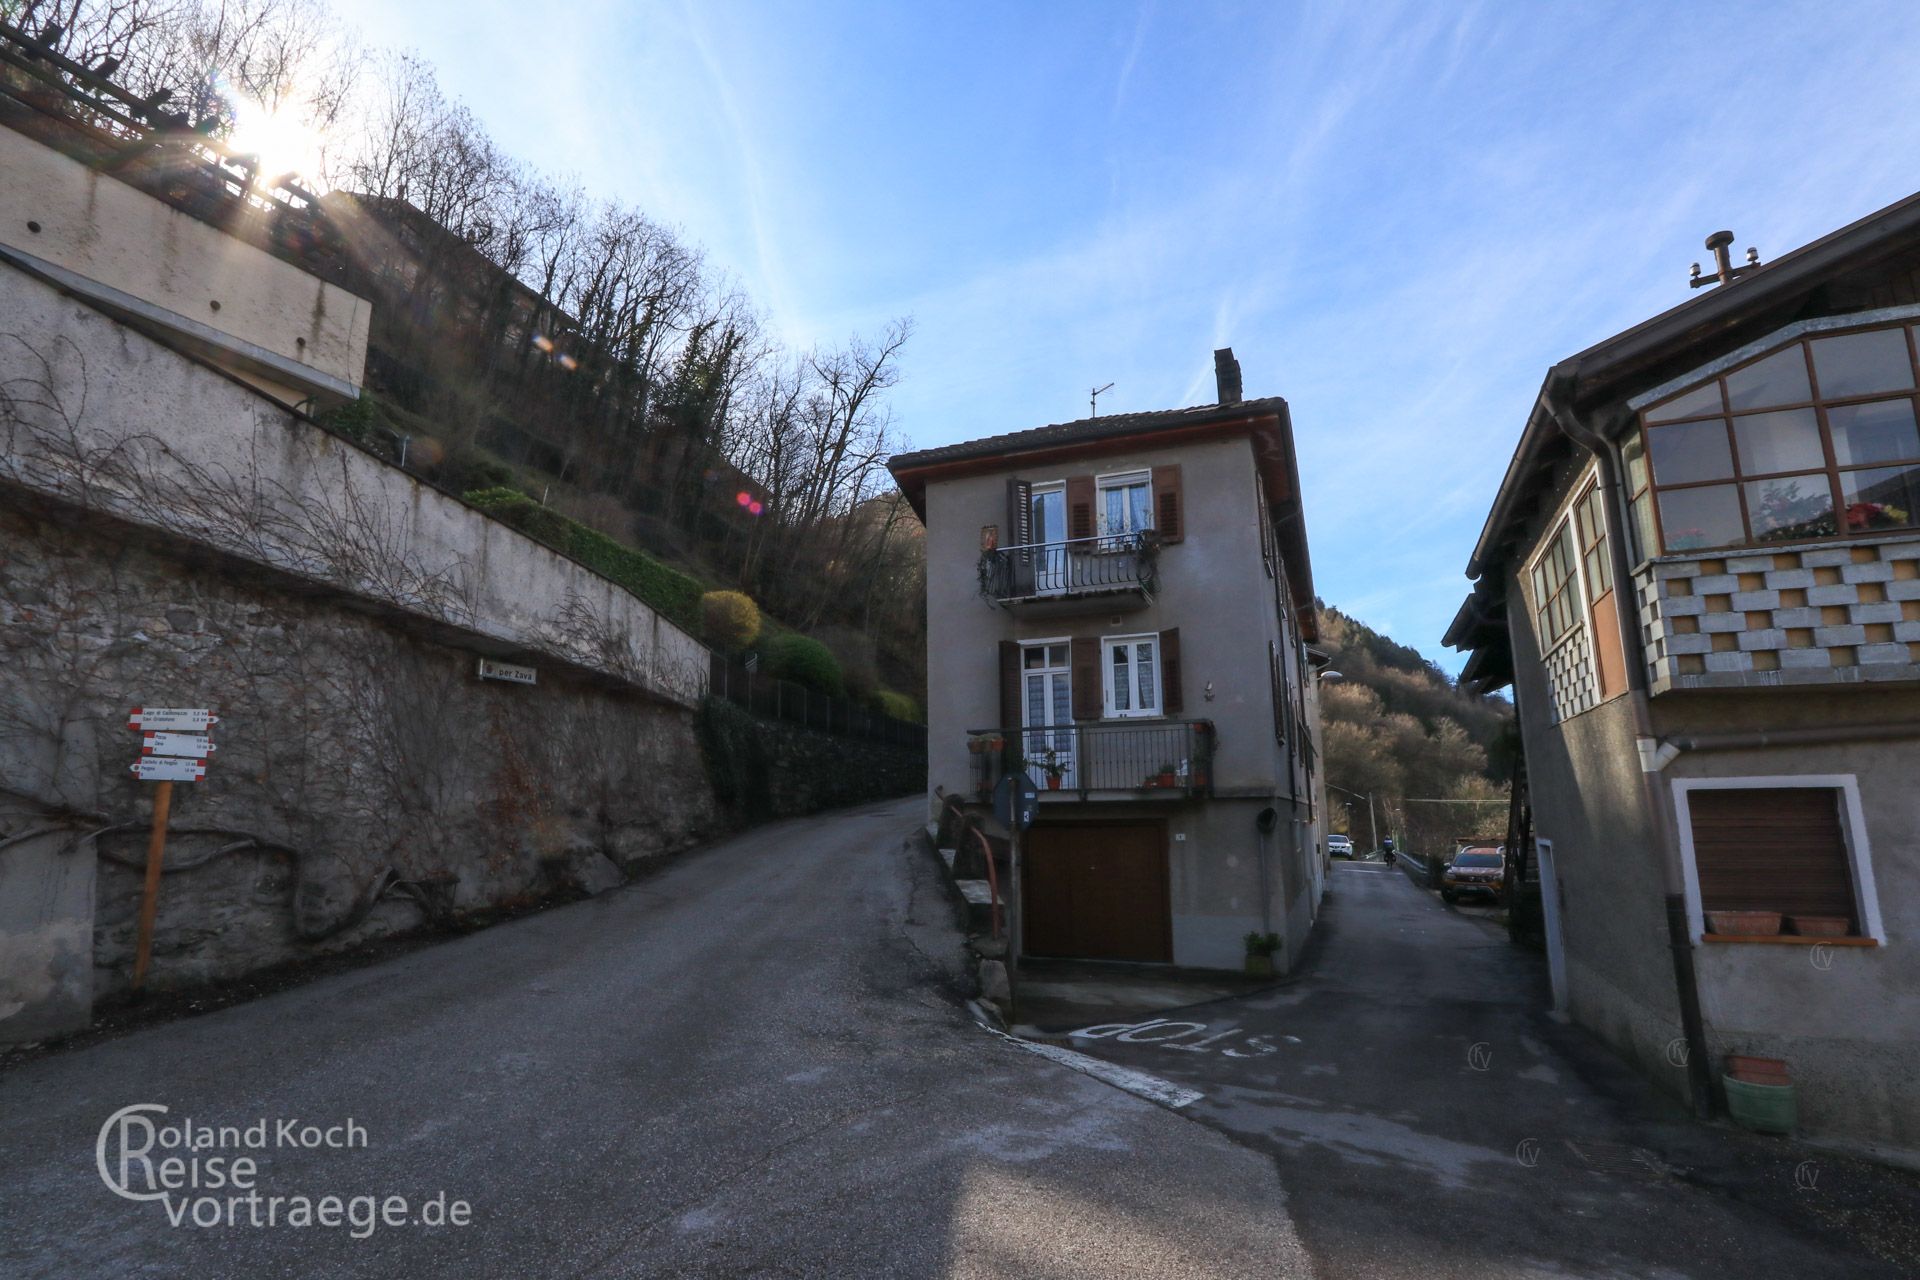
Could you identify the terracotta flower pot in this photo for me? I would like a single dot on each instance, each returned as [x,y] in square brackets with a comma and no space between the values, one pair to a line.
[1053,784]
[1820,926]
[1164,780]
[1741,1066]
[1744,923]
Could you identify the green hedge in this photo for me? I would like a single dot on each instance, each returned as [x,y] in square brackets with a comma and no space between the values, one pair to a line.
[803,660]
[675,595]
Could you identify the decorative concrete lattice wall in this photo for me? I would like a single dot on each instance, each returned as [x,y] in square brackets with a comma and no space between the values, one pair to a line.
[1570,675]
[1803,615]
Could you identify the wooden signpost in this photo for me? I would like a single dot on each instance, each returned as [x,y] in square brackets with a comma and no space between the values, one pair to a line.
[173,749]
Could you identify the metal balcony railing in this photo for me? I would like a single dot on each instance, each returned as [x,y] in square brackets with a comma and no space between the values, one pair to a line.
[1074,567]
[1172,758]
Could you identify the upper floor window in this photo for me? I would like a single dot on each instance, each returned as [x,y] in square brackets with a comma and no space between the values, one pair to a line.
[1133,675]
[1590,514]
[1553,579]
[1816,440]
[1126,503]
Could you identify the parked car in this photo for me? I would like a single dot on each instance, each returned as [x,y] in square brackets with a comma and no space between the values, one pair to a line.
[1340,846]
[1479,869]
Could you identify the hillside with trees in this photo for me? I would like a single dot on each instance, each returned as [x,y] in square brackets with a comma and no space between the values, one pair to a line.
[1398,728]
[565,362]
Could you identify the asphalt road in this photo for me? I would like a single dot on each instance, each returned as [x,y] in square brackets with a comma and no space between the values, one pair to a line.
[1429,1120]
[750,1064]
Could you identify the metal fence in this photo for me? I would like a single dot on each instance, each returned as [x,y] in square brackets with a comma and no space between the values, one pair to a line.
[1158,756]
[763,695]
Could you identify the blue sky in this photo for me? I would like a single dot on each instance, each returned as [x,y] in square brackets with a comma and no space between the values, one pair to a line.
[1398,215]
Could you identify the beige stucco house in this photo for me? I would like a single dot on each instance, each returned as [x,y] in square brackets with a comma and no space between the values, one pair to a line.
[1120,606]
[1701,577]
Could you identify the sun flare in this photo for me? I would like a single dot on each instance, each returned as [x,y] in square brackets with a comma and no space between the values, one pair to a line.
[284,143]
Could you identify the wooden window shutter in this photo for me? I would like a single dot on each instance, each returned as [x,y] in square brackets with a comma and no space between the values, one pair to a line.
[1088,700]
[1019,513]
[1169,515]
[1171,700]
[1278,677]
[1010,717]
[1080,498]
[1772,849]
[1267,548]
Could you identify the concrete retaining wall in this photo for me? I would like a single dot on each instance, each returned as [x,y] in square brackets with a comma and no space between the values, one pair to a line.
[169,537]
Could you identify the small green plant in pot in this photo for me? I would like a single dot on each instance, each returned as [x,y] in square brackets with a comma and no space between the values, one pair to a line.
[1051,765]
[1260,949]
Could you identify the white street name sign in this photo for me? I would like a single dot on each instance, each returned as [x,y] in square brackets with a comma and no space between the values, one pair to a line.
[178,719]
[168,769]
[491,670]
[177,744]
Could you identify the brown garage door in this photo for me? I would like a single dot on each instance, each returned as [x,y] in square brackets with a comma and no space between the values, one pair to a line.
[1097,892]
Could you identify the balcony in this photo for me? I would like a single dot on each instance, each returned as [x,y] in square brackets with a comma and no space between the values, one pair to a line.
[1108,760]
[1112,571]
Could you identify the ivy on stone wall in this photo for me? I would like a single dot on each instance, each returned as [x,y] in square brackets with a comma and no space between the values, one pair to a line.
[672,593]
[733,747]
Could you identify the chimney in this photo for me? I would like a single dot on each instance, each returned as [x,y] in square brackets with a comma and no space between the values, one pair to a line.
[1226,372]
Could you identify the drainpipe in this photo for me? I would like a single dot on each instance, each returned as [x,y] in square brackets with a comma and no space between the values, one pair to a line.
[1653,756]
[1264,822]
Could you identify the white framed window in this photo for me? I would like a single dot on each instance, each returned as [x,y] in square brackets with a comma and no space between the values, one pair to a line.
[1125,503]
[1793,843]
[1131,675]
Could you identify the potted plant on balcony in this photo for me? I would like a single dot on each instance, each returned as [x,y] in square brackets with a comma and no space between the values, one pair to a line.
[1167,775]
[1260,949]
[1051,766]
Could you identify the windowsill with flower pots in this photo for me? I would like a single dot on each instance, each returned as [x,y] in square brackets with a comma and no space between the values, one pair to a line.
[1790,939]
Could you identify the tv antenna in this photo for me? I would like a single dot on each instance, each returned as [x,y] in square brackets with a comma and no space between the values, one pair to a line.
[1093,400]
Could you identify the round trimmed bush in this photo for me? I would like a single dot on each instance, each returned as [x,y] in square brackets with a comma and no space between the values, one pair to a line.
[804,661]
[729,619]
[900,706]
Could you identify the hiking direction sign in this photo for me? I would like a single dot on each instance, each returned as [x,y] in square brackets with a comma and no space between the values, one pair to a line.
[168,769]
[175,746]
[172,719]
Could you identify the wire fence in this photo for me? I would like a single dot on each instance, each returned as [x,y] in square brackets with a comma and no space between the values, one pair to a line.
[775,699]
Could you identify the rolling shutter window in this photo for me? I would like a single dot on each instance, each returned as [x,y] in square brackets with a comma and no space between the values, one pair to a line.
[1169,516]
[1171,700]
[1775,849]
[1009,685]
[1080,497]
[1087,697]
